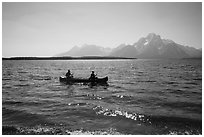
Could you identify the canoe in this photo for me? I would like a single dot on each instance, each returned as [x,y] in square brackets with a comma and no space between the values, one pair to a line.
[80,80]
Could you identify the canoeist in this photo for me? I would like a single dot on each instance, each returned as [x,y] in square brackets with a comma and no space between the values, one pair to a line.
[69,74]
[93,76]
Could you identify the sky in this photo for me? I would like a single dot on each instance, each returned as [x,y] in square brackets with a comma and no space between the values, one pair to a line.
[50,28]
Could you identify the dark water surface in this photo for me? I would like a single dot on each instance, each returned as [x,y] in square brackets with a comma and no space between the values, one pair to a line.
[143,97]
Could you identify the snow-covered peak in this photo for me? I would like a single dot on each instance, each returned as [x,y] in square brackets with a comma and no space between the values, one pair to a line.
[153,39]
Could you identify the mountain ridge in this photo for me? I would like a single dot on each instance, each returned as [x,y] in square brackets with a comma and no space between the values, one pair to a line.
[151,46]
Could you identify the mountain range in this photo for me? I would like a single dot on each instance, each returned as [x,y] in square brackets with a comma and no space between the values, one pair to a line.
[151,46]
[87,50]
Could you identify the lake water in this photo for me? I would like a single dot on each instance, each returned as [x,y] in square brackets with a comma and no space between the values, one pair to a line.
[143,97]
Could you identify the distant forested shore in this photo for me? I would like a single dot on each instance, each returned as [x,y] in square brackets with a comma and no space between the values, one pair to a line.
[65,58]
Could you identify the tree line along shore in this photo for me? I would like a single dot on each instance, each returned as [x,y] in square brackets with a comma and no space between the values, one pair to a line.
[65,58]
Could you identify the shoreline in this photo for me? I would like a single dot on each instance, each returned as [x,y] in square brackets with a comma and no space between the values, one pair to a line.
[66,58]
